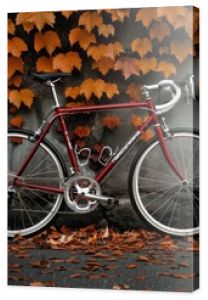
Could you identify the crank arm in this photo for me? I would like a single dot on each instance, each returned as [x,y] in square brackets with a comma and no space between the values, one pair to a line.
[101,198]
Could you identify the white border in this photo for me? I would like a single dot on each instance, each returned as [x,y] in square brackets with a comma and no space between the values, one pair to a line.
[54,293]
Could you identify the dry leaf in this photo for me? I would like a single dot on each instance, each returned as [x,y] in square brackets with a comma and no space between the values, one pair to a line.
[110,50]
[131,266]
[146,16]
[82,131]
[141,46]
[147,64]
[48,40]
[128,66]
[11,27]
[121,287]
[44,64]
[147,135]
[25,96]
[72,92]
[39,19]
[159,31]
[82,36]
[90,20]
[181,49]
[118,14]
[14,64]
[15,80]
[106,30]
[17,121]
[167,68]
[136,121]
[134,92]
[111,122]
[104,65]
[67,13]
[16,46]
[177,275]
[66,62]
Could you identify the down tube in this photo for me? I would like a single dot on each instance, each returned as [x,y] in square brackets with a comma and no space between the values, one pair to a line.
[105,171]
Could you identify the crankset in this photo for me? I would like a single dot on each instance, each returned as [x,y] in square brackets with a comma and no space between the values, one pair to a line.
[82,194]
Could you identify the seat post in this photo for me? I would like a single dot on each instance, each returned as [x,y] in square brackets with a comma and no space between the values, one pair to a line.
[54,93]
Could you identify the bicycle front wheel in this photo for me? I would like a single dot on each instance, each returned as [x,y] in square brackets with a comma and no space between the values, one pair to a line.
[158,195]
[30,210]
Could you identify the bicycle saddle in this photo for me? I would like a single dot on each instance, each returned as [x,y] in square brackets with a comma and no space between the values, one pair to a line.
[48,76]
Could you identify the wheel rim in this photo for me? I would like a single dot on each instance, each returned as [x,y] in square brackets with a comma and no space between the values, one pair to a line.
[30,210]
[160,196]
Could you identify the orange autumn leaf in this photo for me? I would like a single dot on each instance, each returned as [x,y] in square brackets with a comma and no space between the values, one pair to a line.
[67,13]
[111,89]
[48,40]
[15,81]
[181,49]
[25,96]
[106,30]
[28,26]
[16,46]
[146,16]
[44,64]
[14,64]
[67,62]
[172,14]
[110,50]
[141,46]
[118,14]
[134,92]
[104,65]
[159,31]
[39,19]
[167,68]
[99,88]
[111,122]
[147,135]
[90,20]
[87,88]
[136,121]
[128,66]
[82,131]
[72,92]
[10,27]
[17,121]
[147,64]
[82,36]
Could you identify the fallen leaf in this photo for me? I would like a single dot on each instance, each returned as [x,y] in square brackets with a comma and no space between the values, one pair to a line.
[121,287]
[143,258]
[17,121]
[48,40]
[141,46]
[97,276]
[146,16]
[16,46]
[159,31]
[132,266]
[82,36]
[111,122]
[76,275]
[41,264]
[66,62]
[90,20]
[177,275]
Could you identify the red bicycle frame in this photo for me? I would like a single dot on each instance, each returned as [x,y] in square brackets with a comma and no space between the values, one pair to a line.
[59,113]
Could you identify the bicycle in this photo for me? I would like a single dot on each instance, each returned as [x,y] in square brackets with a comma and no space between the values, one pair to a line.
[163,179]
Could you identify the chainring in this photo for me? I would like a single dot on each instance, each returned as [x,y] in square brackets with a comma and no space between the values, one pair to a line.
[75,190]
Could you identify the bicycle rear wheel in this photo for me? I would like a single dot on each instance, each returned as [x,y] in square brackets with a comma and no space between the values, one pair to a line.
[158,195]
[30,210]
